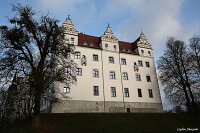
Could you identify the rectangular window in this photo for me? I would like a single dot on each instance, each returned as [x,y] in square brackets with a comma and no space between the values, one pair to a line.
[95,57]
[96,73]
[106,45]
[66,90]
[72,39]
[115,47]
[139,93]
[147,64]
[112,75]
[96,90]
[68,70]
[149,53]
[113,92]
[140,63]
[148,78]
[126,92]
[77,55]
[111,59]
[123,61]
[79,71]
[138,78]
[150,93]
[142,51]
[125,75]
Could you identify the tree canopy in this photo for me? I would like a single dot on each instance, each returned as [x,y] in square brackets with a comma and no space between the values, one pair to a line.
[179,73]
[33,45]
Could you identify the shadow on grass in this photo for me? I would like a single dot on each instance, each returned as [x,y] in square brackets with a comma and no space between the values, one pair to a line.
[106,122]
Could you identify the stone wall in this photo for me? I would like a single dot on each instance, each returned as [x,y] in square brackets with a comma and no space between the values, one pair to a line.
[72,106]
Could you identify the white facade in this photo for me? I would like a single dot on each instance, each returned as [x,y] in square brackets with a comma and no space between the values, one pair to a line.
[111,94]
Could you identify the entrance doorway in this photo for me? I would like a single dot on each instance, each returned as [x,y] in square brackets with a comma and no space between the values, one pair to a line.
[128,110]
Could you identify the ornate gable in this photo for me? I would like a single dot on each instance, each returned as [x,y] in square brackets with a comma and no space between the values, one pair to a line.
[69,27]
[143,42]
[108,35]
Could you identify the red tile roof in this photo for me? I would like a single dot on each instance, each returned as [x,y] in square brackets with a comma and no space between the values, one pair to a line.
[128,47]
[83,38]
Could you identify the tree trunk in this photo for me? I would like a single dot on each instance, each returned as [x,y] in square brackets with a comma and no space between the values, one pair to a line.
[37,101]
[193,101]
[188,104]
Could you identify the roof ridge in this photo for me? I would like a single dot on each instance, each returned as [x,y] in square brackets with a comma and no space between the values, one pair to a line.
[88,35]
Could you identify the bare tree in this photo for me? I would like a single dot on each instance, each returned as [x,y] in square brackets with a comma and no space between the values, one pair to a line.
[176,73]
[34,46]
[195,52]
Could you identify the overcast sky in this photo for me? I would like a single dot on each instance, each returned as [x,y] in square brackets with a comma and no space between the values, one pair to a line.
[158,19]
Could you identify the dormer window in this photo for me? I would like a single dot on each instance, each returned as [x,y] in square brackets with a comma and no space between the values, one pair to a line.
[123,50]
[106,45]
[91,44]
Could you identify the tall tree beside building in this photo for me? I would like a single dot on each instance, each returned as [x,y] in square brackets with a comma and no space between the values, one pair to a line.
[177,75]
[33,45]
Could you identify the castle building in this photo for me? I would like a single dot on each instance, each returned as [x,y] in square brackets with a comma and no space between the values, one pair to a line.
[112,75]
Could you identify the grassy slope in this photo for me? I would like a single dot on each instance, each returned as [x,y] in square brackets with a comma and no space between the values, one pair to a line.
[101,123]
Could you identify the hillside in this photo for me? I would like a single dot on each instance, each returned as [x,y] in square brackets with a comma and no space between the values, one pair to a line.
[101,123]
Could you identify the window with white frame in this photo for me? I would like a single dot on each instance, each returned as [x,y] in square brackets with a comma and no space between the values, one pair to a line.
[139,92]
[125,75]
[66,90]
[79,71]
[140,63]
[113,92]
[96,90]
[95,73]
[95,57]
[77,55]
[138,77]
[111,59]
[147,64]
[148,78]
[150,93]
[112,75]
[123,61]
[68,70]
[126,92]
[72,39]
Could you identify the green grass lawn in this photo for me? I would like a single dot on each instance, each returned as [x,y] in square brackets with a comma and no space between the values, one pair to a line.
[101,123]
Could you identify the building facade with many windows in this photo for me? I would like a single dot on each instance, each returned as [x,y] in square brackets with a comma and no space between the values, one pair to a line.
[112,75]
